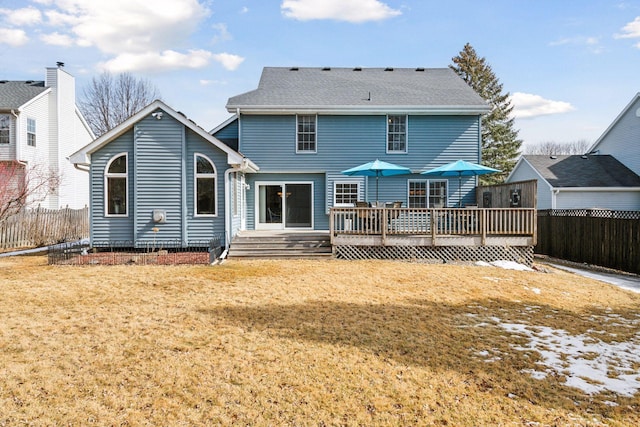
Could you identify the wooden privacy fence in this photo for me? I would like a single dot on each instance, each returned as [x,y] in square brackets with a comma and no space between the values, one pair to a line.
[39,227]
[594,236]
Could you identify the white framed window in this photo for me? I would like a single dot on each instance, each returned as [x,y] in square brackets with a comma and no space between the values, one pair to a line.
[427,193]
[345,193]
[5,128]
[31,132]
[396,133]
[306,133]
[417,193]
[205,197]
[116,186]
[438,193]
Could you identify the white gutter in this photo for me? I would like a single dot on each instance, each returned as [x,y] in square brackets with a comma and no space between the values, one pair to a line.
[360,109]
[595,189]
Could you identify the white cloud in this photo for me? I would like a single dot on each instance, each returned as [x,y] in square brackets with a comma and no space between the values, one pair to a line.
[339,10]
[631,30]
[223,33]
[526,105]
[204,82]
[157,62]
[228,60]
[57,39]
[13,37]
[592,43]
[25,16]
[61,19]
[133,26]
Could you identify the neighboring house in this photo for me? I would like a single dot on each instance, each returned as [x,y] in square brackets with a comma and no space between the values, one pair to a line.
[580,182]
[303,126]
[40,126]
[622,138]
[158,177]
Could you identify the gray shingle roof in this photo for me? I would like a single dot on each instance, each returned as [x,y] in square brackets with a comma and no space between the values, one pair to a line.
[584,171]
[14,94]
[343,88]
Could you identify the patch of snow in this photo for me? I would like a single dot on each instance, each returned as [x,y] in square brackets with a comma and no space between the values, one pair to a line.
[563,354]
[511,265]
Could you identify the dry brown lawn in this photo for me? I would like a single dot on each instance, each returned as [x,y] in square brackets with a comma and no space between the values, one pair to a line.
[299,343]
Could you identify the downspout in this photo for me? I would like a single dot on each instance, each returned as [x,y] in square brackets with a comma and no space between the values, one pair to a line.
[227,211]
[554,194]
[15,138]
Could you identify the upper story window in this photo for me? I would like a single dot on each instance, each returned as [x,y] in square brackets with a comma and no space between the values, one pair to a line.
[31,132]
[116,188]
[397,134]
[345,193]
[306,135]
[5,128]
[205,186]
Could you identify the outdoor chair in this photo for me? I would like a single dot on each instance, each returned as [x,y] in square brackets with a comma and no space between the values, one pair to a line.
[363,215]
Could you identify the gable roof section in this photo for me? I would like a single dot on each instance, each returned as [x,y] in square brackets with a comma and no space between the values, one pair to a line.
[14,94]
[594,147]
[83,156]
[426,90]
[583,171]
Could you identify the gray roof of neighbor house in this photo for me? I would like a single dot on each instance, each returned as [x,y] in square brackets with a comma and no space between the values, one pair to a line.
[14,94]
[334,89]
[584,171]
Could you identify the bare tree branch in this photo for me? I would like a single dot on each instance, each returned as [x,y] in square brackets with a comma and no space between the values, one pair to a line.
[21,186]
[553,148]
[109,100]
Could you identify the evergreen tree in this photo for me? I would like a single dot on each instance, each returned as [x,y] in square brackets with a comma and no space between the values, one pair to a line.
[500,143]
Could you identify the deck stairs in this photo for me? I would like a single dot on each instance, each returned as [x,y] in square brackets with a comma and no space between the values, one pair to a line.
[281,244]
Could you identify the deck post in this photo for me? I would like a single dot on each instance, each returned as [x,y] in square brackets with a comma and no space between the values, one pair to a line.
[432,220]
[483,227]
[383,226]
[331,224]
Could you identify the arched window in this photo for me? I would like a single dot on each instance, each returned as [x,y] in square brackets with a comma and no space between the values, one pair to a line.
[205,186]
[116,186]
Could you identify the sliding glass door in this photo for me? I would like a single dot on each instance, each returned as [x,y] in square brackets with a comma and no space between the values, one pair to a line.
[281,205]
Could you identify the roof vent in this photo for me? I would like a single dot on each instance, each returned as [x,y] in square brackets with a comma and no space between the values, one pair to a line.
[553,157]
[3,81]
[419,69]
[357,69]
[326,68]
[584,156]
[293,69]
[388,69]
[29,82]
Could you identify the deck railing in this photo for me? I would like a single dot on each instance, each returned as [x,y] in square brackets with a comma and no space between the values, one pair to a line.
[433,222]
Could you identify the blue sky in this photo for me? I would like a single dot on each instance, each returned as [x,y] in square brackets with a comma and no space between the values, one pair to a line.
[571,66]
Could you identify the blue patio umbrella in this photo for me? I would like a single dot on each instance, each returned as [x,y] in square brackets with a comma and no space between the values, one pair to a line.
[460,168]
[377,168]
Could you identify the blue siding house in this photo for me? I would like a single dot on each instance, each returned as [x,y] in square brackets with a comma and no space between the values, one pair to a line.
[158,177]
[303,126]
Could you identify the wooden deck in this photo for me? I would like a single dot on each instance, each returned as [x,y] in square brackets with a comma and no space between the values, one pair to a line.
[432,227]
